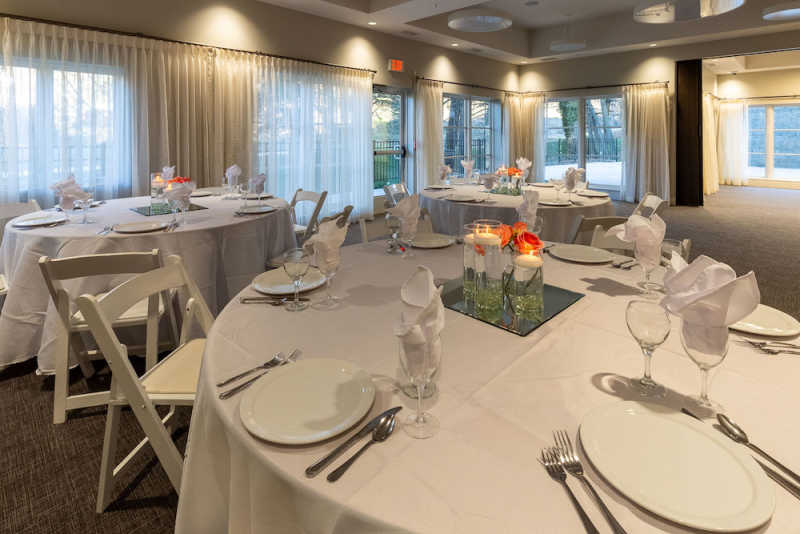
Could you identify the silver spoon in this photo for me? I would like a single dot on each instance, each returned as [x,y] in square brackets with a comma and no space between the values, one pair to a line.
[381,433]
[735,432]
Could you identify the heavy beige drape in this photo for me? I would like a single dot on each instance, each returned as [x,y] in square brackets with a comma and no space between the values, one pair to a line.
[523,117]
[429,152]
[710,127]
[646,141]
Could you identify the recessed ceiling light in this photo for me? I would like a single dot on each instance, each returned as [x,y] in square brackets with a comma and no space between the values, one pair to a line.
[372,23]
[453,44]
[651,45]
[523,62]
[780,12]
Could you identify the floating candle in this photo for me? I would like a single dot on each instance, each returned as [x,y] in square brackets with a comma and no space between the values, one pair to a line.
[487,239]
[469,239]
[529,261]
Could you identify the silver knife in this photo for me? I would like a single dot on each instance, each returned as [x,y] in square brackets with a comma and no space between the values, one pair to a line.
[315,469]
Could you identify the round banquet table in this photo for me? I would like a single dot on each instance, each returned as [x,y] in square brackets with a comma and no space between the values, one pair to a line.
[449,217]
[222,253]
[501,397]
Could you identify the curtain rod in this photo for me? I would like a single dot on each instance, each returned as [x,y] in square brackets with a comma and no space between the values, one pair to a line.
[540,92]
[164,39]
[760,98]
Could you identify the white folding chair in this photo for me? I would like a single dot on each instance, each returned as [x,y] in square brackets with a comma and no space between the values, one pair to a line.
[303,232]
[610,242]
[57,270]
[8,212]
[394,194]
[650,205]
[341,218]
[588,224]
[172,382]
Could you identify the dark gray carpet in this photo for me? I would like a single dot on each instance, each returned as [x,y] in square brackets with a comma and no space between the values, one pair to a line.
[48,473]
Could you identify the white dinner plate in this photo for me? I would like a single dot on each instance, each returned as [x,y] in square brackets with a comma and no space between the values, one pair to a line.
[277,282]
[766,321]
[199,193]
[256,196]
[432,241]
[307,401]
[39,218]
[255,210]
[558,203]
[541,184]
[679,468]
[592,194]
[139,227]
[457,197]
[581,253]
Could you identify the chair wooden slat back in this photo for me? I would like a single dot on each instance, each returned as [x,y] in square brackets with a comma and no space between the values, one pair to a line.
[586,225]
[650,205]
[341,218]
[308,196]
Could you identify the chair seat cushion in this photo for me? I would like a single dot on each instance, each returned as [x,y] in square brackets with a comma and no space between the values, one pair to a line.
[136,314]
[177,373]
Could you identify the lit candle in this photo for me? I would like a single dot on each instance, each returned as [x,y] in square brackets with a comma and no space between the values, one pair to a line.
[487,238]
[469,239]
[169,187]
[157,180]
[528,261]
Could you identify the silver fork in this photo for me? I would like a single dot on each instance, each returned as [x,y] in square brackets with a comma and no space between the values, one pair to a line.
[570,461]
[761,344]
[551,463]
[272,362]
[246,384]
[773,351]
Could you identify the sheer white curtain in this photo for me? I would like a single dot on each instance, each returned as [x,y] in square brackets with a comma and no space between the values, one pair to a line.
[66,107]
[429,153]
[314,131]
[710,162]
[537,110]
[523,117]
[732,144]
[646,167]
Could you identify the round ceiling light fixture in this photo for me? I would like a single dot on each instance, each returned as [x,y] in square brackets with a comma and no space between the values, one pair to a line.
[667,11]
[479,20]
[782,12]
[565,45]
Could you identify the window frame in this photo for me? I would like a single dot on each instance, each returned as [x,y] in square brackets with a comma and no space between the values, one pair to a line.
[404,129]
[493,128]
[769,138]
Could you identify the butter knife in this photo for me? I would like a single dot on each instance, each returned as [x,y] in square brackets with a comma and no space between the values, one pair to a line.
[315,469]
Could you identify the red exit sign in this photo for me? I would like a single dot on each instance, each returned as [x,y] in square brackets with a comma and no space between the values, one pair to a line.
[396,65]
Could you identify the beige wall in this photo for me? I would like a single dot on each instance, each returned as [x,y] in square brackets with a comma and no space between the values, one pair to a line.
[783,82]
[256,26]
[652,64]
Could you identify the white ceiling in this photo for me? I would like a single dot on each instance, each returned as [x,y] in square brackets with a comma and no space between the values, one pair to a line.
[606,25]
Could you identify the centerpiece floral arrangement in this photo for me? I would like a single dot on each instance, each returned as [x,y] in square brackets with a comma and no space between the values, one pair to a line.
[511,179]
[516,238]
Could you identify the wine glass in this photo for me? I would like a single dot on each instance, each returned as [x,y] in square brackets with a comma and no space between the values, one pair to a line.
[328,264]
[649,324]
[408,232]
[558,185]
[707,347]
[420,363]
[296,267]
[649,261]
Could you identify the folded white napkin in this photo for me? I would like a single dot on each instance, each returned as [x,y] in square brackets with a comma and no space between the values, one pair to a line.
[232,174]
[573,176]
[325,244]
[444,172]
[256,184]
[69,191]
[468,165]
[407,210]
[709,297]
[179,192]
[421,322]
[168,173]
[524,164]
[647,234]
[530,204]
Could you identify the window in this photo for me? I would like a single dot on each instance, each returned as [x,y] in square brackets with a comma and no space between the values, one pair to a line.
[773,141]
[57,121]
[387,137]
[585,132]
[470,125]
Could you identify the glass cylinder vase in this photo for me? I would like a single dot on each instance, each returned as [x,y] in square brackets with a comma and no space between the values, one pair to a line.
[469,265]
[525,288]
[489,267]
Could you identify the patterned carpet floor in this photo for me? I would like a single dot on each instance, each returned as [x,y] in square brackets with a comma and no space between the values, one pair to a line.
[48,473]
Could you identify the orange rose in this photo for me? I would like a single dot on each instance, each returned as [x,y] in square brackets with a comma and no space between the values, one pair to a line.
[513,171]
[505,233]
[527,242]
[518,228]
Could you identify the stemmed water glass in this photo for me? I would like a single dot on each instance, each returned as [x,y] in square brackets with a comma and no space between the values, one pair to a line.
[296,267]
[649,324]
[407,234]
[328,265]
[558,185]
[420,365]
[648,262]
[707,347]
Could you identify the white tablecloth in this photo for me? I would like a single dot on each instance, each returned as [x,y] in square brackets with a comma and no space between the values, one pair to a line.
[222,253]
[501,396]
[559,222]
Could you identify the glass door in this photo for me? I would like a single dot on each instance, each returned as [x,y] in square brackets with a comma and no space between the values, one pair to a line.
[388,133]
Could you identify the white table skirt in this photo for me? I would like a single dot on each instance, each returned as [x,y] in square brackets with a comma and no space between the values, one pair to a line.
[501,396]
[222,253]
[559,222]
